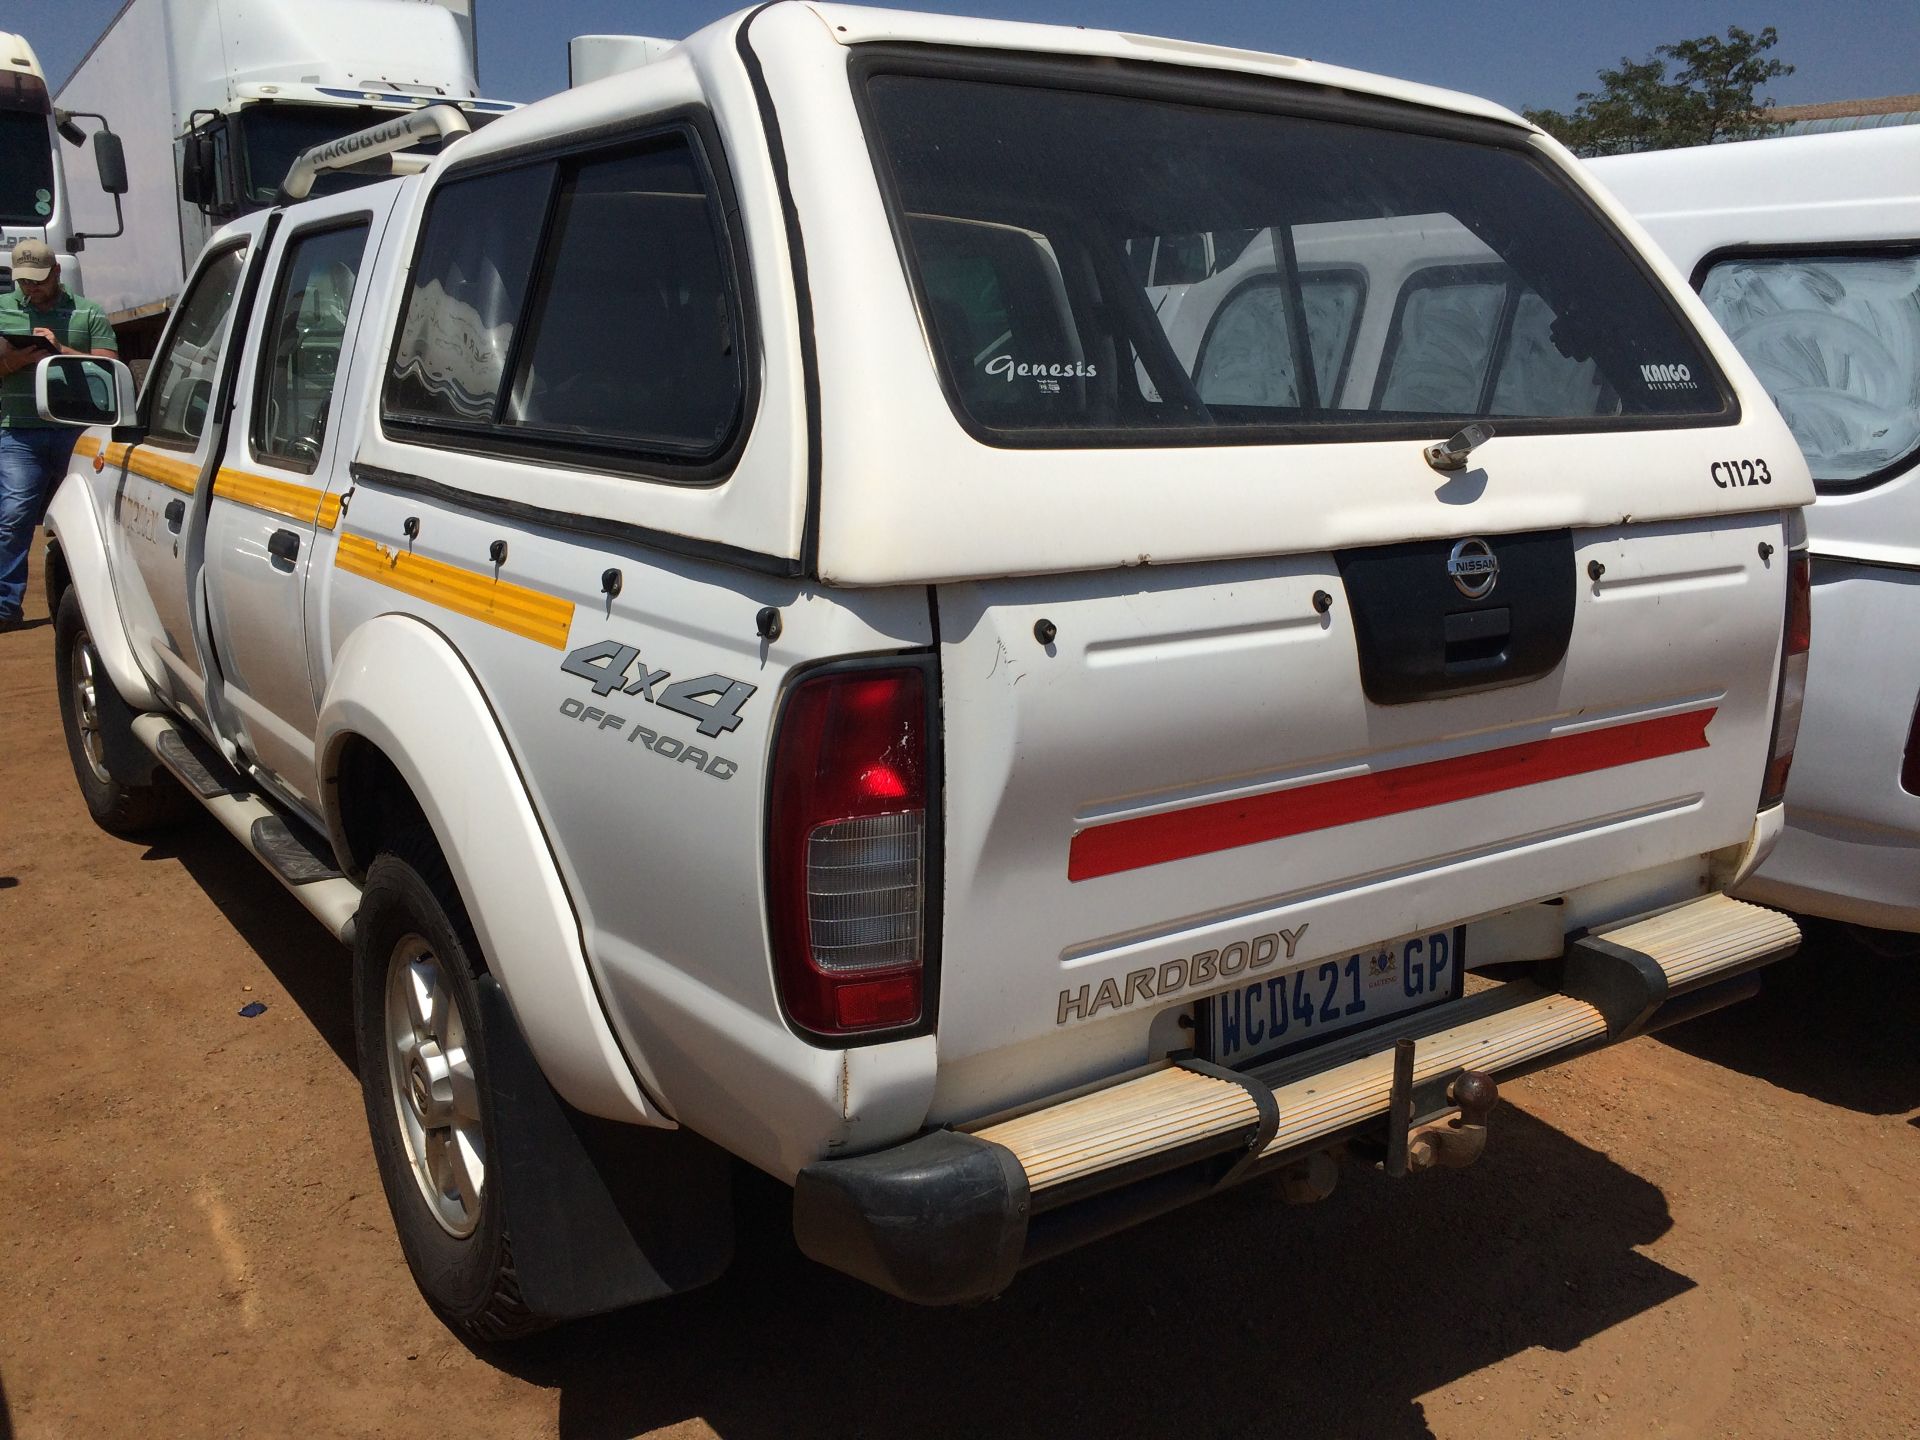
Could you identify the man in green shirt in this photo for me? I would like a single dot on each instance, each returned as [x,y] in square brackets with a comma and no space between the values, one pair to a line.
[34,453]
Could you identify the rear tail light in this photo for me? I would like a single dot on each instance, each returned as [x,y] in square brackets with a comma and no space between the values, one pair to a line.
[1793,675]
[847,849]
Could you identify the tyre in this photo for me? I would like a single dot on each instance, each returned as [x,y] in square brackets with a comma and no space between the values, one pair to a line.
[425,1080]
[98,722]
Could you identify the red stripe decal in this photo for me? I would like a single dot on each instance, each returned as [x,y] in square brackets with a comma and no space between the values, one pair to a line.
[1229,824]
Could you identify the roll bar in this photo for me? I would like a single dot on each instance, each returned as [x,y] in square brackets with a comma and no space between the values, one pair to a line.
[440,121]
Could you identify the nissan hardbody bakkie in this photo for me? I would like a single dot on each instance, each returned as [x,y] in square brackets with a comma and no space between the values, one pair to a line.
[988,619]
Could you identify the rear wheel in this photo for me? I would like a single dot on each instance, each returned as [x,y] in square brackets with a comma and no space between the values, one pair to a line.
[96,720]
[425,1081]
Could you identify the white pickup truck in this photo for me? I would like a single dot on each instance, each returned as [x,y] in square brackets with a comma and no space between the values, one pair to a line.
[743,598]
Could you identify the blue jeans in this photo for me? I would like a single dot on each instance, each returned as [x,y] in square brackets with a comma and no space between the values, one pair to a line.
[33,459]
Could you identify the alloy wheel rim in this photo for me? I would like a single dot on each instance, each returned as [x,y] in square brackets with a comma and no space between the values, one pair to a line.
[436,1099]
[86,706]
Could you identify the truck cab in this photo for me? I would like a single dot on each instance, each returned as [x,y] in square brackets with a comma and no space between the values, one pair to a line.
[236,93]
[34,203]
[781,620]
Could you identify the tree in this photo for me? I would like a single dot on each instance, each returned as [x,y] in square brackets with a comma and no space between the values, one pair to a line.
[1710,95]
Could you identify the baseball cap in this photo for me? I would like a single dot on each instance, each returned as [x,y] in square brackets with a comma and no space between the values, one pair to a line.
[32,260]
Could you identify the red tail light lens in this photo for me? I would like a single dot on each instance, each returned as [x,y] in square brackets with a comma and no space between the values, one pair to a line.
[1797,638]
[847,848]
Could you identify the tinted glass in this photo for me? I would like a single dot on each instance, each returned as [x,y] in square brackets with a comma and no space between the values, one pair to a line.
[1084,261]
[1836,341]
[26,168]
[1438,355]
[181,380]
[308,324]
[469,286]
[1247,357]
[632,335]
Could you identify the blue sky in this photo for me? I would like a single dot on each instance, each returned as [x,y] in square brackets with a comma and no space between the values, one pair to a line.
[1516,56]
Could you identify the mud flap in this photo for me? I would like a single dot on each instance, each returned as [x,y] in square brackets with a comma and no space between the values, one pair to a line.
[602,1215]
[129,762]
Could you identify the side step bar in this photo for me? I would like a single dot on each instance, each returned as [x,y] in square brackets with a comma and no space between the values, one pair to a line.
[262,828]
[887,1217]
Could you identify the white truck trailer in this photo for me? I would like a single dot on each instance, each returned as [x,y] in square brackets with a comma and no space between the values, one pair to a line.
[217,97]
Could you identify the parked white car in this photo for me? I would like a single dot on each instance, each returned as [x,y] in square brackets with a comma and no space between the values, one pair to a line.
[724,593]
[1807,250]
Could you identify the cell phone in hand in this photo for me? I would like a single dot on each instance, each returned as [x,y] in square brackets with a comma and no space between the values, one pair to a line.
[38,343]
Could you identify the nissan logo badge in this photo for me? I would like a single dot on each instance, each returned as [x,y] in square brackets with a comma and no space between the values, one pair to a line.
[1474,569]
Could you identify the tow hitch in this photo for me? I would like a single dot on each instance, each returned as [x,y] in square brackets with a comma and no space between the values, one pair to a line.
[1452,1137]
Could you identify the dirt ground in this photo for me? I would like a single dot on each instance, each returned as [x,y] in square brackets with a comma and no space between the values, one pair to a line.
[1714,1232]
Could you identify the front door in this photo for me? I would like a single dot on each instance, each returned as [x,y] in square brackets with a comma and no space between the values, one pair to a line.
[160,478]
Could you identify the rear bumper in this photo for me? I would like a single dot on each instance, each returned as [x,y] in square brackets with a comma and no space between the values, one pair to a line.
[953,1215]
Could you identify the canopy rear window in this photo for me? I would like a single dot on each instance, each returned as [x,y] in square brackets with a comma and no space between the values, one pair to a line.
[1108,268]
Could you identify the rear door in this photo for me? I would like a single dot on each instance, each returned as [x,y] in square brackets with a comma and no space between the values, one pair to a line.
[278,492]
[162,479]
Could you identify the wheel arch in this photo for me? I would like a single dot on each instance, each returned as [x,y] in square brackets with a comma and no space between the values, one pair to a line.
[406,730]
[81,549]
[57,578]
[368,802]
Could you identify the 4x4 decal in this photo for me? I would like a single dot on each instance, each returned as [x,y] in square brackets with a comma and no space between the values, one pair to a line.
[606,663]
[712,701]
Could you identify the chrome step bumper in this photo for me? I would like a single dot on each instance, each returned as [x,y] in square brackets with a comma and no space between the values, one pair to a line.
[952,1215]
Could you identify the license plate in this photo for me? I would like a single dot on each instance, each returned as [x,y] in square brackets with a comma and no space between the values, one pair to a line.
[1272,1017]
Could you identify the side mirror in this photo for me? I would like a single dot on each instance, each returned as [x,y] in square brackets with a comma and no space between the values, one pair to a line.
[110,161]
[83,390]
[197,170]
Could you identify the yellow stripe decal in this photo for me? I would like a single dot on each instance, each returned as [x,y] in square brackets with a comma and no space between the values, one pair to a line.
[532,613]
[279,497]
[276,497]
[174,474]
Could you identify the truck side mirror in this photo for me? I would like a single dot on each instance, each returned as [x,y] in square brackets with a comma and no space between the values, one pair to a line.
[197,177]
[83,390]
[110,161]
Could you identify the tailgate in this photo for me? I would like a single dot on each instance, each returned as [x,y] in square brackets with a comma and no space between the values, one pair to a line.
[1214,769]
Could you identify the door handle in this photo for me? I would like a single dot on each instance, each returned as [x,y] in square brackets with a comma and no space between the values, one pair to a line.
[284,546]
[176,515]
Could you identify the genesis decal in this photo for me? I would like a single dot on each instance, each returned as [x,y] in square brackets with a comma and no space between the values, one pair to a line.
[1044,374]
